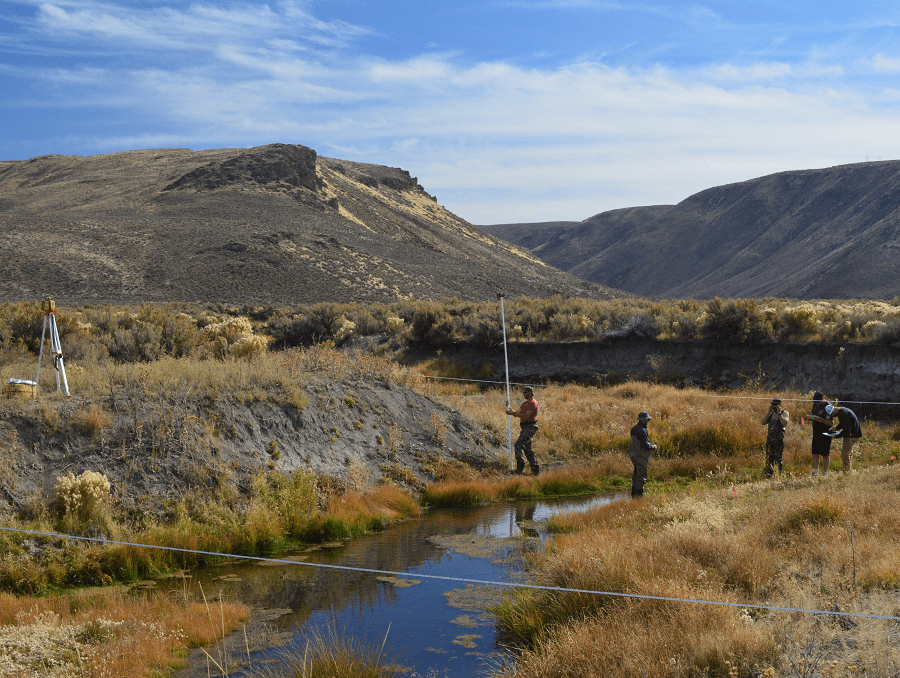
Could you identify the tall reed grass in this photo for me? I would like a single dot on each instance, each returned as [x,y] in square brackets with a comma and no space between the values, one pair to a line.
[334,655]
[808,543]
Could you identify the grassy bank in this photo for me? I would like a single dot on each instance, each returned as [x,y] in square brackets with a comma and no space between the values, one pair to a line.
[108,633]
[704,438]
[806,543]
[166,417]
[572,481]
[276,518]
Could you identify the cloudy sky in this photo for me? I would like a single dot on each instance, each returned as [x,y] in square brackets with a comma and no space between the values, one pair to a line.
[506,110]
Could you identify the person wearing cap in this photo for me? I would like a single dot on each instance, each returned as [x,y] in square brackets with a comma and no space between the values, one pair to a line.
[821,442]
[527,414]
[777,420]
[848,428]
[639,451]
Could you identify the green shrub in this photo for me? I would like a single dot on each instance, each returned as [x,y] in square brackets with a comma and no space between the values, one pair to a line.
[797,323]
[736,320]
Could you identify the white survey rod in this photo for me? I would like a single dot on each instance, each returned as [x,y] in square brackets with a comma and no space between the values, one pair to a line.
[506,364]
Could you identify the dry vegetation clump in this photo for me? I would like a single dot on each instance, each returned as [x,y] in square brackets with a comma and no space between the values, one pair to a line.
[107,633]
[333,655]
[83,500]
[826,544]
[353,513]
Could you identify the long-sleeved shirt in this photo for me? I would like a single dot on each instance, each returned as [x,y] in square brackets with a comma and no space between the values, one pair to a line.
[640,432]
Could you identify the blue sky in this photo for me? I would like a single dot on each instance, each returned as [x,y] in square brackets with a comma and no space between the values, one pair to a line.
[506,110]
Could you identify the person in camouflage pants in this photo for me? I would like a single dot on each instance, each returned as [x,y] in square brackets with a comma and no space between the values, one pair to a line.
[527,414]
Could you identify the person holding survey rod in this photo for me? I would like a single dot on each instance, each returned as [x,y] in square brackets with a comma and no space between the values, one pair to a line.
[527,414]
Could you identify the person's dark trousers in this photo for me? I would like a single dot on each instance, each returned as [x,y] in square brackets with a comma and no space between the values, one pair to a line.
[524,450]
[774,456]
[641,461]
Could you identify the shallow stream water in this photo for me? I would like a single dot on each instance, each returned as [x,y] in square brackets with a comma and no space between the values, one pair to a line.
[432,627]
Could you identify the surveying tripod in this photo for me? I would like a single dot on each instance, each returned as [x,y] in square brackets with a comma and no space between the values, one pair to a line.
[48,306]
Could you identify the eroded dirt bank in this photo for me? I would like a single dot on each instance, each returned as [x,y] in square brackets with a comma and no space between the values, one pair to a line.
[154,447]
[850,371]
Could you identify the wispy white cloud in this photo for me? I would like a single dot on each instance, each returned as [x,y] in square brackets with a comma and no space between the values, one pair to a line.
[883,63]
[188,29]
[495,140]
[562,4]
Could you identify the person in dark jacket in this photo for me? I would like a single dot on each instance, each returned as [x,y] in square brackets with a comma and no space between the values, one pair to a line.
[639,451]
[848,428]
[527,414]
[821,443]
[776,419]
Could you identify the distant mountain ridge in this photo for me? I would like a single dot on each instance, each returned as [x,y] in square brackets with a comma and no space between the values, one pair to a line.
[829,233]
[274,224]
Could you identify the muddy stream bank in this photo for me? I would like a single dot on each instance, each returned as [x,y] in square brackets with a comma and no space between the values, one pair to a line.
[434,627]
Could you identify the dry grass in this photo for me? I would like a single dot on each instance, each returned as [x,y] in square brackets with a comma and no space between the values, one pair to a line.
[332,655]
[571,481]
[810,543]
[270,376]
[107,633]
[354,513]
[700,434]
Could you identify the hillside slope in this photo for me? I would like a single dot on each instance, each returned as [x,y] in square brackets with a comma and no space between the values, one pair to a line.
[830,233]
[274,224]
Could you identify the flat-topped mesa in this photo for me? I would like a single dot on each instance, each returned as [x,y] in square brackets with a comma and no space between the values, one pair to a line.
[289,164]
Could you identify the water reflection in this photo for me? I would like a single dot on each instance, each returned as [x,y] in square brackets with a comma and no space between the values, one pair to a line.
[436,627]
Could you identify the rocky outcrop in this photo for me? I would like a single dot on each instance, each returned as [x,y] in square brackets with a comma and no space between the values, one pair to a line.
[851,372]
[273,164]
[376,176]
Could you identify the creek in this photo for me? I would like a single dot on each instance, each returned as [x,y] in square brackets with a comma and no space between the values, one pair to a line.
[432,627]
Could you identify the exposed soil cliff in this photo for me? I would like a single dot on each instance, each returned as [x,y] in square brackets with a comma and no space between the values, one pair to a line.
[851,372]
[155,447]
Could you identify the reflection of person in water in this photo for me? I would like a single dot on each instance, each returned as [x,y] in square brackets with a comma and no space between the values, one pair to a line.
[525,518]
[525,512]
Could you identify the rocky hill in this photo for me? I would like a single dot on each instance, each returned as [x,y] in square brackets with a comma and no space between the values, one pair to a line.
[829,233]
[274,225]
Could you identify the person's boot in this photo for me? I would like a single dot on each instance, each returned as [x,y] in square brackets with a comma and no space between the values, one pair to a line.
[520,468]
[535,469]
